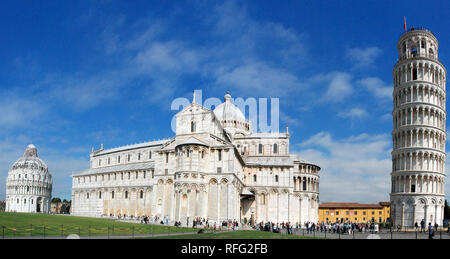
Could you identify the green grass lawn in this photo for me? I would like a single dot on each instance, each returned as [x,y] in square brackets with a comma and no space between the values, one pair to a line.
[241,234]
[30,224]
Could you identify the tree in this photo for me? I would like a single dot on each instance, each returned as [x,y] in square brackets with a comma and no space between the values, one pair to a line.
[56,199]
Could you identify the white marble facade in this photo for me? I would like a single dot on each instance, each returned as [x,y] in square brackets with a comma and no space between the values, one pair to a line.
[419,135]
[214,168]
[29,184]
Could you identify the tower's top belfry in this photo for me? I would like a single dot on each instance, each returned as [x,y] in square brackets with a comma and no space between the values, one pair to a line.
[417,42]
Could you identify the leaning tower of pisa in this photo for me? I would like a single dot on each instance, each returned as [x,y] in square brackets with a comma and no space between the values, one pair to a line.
[418,156]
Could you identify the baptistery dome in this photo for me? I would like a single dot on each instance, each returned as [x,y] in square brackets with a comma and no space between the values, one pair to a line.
[231,117]
[29,184]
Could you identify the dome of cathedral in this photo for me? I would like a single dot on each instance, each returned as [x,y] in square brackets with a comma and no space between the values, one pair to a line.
[231,117]
[227,111]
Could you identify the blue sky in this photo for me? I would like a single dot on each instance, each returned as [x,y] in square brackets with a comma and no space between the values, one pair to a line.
[75,74]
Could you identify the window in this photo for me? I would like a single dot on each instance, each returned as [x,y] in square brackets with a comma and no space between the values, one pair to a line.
[220,154]
[99,195]
[139,156]
[415,73]
[337,212]
[109,160]
[166,171]
[129,157]
[126,194]
[304,185]
[413,188]
[167,157]
[24,201]
[112,195]
[254,178]
[276,178]
[356,213]
[87,195]
[260,148]
[99,162]
[192,126]
[187,153]
[141,194]
[118,159]
[219,170]
[275,148]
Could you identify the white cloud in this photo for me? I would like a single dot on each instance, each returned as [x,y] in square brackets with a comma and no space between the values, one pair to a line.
[387,116]
[259,78]
[19,111]
[289,120]
[377,87]
[339,86]
[242,34]
[353,169]
[363,57]
[243,58]
[353,113]
[170,57]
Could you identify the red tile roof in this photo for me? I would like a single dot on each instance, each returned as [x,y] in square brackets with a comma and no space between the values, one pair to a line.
[350,205]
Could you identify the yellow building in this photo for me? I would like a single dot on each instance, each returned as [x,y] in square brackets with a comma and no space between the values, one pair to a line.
[354,212]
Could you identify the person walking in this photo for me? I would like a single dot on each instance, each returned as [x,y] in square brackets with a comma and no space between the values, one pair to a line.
[430,231]
[422,226]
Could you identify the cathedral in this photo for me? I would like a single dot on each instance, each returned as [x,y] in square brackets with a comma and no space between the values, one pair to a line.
[214,168]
